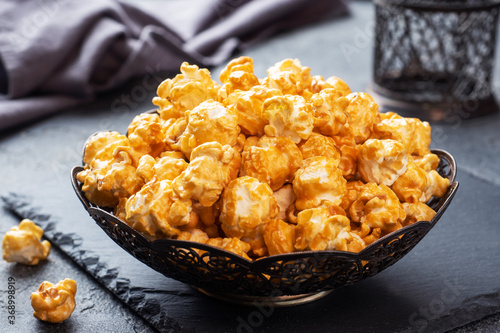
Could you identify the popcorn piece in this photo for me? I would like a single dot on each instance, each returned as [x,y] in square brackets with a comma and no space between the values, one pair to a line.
[167,167]
[279,237]
[377,206]
[54,303]
[349,241]
[330,115]
[417,212]
[145,169]
[184,92]
[208,215]
[285,198]
[289,116]
[233,244]
[105,182]
[109,169]
[349,156]
[145,134]
[426,162]
[382,161]
[414,134]
[319,145]
[208,122]
[102,146]
[22,244]
[363,113]
[173,129]
[367,234]
[416,185]
[194,235]
[157,211]
[212,167]
[318,181]
[353,190]
[272,160]
[339,85]
[237,75]
[289,76]
[246,205]
[247,105]
[240,143]
[317,229]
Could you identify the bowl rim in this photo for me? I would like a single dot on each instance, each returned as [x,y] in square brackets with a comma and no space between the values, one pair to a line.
[158,244]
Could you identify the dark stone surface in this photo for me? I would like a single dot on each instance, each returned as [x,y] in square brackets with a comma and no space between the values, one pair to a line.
[449,280]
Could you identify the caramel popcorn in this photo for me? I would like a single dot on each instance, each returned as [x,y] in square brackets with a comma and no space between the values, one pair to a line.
[22,244]
[417,212]
[279,237]
[363,113]
[166,167]
[238,75]
[285,198]
[318,229]
[418,185]
[414,134]
[157,210]
[289,76]
[184,92]
[339,85]
[289,162]
[319,181]
[330,116]
[233,244]
[320,145]
[110,169]
[377,206]
[246,205]
[210,121]
[272,160]
[382,161]
[212,167]
[145,134]
[54,303]
[101,146]
[289,116]
[247,105]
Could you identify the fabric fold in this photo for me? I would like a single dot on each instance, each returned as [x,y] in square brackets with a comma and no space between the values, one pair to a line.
[62,53]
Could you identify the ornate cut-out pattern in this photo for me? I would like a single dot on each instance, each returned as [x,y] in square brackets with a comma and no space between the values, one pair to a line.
[219,271]
[431,51]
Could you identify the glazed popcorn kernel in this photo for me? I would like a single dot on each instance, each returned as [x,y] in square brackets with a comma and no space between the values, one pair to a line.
[54,303]
[22,244]
[264,166]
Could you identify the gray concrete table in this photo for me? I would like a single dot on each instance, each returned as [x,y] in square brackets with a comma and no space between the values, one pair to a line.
[453,272]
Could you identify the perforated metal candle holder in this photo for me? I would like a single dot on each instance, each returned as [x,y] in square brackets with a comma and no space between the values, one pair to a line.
[283,280]
[434,59]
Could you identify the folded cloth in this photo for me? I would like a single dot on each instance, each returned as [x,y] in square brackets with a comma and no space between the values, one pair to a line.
[59,53]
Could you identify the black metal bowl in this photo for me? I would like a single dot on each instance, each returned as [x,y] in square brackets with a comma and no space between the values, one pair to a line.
[285,279]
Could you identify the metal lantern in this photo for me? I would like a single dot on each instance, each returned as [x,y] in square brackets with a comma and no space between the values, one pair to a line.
[434,59]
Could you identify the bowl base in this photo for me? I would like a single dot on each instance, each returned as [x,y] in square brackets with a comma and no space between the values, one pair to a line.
[278,301]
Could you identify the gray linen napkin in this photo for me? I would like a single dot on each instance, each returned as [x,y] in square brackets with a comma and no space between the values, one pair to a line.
[59,53]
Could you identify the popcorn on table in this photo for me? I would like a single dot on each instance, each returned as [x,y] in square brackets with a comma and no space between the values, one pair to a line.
[54,303]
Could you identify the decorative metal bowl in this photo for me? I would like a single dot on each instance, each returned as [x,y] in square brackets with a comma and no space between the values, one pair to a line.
[283,280]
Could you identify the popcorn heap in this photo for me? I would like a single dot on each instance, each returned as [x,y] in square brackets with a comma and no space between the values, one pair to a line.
[260,167]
